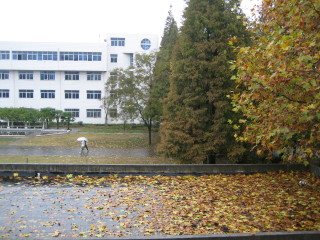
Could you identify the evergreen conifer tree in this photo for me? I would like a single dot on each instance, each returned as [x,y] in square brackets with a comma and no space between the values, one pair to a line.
[162,66]
[196,112]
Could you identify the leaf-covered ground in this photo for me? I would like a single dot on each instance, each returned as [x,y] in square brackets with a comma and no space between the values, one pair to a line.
[81,206]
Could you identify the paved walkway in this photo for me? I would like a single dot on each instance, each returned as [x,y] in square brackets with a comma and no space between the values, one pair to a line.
[15,150]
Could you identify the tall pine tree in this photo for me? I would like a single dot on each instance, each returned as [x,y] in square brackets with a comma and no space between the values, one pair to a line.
[162,66]
[195,127]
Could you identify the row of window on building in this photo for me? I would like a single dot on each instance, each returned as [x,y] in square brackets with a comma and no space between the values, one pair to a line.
[90,113]
[66,56]
[51,94]
[51,75]
[50,55]
[121,42]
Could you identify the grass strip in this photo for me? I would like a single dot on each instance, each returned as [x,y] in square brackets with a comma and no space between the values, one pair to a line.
[84,160]
[95,140]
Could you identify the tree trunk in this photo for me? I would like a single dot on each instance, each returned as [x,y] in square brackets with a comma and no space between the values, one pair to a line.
[124,125]
[150,132]
[68,124]
[106,119]
[211,159]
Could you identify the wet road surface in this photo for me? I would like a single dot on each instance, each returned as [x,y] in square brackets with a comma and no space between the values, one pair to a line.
[14,150]
[45,211]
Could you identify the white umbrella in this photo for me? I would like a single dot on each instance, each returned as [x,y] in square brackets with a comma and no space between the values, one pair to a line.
[82,139]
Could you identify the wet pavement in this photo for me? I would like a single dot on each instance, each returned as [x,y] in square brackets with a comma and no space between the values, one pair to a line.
[44,211]
[15,150]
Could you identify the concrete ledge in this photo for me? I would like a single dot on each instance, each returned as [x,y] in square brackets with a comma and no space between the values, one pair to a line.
[154,169]
[308,235]
[314,169]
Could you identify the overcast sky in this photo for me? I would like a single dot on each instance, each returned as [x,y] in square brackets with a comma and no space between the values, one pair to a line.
[85,20]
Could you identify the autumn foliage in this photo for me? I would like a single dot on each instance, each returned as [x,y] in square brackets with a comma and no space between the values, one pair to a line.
[279,81]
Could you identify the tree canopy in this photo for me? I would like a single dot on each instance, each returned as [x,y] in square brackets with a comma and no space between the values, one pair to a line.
[163,64]
[31,115]
[131,89]
[279,75]
[196,111]
[26,115]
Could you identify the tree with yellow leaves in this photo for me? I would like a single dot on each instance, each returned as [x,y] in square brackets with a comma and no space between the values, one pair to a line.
[280,75]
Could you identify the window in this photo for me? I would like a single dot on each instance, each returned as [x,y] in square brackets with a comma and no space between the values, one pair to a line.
[25,93]
[48,56]
[114,58]
[131,59]
[68,56]
[94,76]
[72,75]
[48,93]
[30,56]
[71,94]
[19,55]
[94,113]
[4,74]
[118,42]
[113,75]
[96,56]
[113,94]
[93,94]
[47,75]
[25,75]
[35,55]
[75,112]
[145,44]
[4,93]
[113,113]
[4,55]
[80,56]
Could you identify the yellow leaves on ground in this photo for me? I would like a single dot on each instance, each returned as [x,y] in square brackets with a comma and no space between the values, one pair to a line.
[172,205]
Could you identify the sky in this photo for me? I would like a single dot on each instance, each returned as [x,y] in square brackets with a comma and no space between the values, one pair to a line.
[86,20]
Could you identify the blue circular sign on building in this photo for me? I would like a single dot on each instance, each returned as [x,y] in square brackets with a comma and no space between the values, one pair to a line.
[145,44]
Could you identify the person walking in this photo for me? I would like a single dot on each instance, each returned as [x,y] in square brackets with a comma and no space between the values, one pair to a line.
[83,147]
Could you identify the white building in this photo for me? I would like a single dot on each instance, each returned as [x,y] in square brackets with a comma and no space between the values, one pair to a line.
[66,76]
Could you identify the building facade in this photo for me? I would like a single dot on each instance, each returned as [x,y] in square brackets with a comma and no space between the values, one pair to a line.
[66,76]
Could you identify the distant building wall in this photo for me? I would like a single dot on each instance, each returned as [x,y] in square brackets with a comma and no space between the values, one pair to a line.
[65,76]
